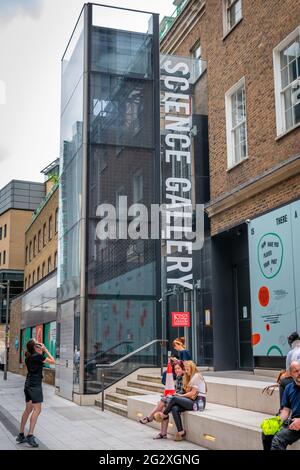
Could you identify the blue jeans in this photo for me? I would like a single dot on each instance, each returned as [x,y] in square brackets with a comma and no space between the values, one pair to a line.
[284,437]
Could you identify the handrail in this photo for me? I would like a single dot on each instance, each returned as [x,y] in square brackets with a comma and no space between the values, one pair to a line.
[102,353]
[112,364]
[118,361]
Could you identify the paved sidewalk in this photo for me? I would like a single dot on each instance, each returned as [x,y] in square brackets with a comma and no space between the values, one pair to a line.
[65,425]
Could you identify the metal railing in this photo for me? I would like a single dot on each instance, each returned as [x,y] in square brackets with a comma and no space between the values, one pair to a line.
[122,359]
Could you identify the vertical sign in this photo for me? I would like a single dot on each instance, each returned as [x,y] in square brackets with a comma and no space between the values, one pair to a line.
[176,124]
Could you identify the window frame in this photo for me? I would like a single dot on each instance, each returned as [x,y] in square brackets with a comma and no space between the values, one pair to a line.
[56,221]
[50,228]
[231,160]
[49,264]
[281,128]
[226,26]
[44,234]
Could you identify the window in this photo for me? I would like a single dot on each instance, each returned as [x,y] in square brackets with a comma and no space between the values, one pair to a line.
[29,280]
[55,260]
[49,264]
[39,240]
[236,128]
[137,187]
[232,14]
[43,269]
[38,274]
[26,255]
[44,234]
[4,257]
[0,233]
[287,82]
[33,277]
[34,246]
[5,230]
[196,54]
[56,220]
[30,251]
[0,257]
[50,228]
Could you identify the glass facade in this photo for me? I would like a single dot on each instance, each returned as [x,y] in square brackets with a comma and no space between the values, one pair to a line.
[109,148]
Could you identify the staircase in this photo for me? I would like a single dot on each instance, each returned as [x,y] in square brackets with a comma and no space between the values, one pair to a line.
[235,407]
[117,400]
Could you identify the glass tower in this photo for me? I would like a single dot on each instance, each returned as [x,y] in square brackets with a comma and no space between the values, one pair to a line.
[108,290]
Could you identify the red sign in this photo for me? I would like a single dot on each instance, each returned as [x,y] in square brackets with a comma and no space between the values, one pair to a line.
[181,319]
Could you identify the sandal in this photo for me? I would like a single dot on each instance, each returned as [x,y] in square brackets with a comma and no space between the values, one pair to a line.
[160,436]
[145,420]
[159,417]
[180,437]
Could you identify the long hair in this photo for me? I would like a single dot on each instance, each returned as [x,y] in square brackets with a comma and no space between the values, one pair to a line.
[178,363]
[188,376]
[179,342]
[30,346]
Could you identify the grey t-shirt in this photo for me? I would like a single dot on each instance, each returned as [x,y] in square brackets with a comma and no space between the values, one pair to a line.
[293,354]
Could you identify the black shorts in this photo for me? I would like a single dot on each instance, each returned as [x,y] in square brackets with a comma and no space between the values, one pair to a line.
[33,393]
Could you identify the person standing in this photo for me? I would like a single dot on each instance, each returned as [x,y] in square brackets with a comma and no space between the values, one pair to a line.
[34,360]
[294,353]
[179,346]
[290,412]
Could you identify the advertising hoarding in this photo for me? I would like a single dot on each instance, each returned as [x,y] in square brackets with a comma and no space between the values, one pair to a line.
[274,272]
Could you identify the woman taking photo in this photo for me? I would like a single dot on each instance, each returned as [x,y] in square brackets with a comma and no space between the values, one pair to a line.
[179,371]
[34,360]
[194,398]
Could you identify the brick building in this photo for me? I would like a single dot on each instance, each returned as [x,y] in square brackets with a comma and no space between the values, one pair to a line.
[18,200]
[33,313]
[253,83]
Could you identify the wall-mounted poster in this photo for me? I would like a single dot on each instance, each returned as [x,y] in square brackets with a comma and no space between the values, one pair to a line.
[39,333]
[26,336]
[273,257]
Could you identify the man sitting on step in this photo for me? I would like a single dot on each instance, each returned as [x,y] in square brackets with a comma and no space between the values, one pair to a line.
[290,412]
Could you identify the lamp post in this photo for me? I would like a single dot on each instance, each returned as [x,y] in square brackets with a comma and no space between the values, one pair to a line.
[2,286]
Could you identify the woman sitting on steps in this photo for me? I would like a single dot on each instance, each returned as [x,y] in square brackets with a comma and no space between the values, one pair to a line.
[155,413]
[194,398]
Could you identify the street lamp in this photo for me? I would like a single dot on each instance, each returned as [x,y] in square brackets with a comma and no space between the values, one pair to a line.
[7,286]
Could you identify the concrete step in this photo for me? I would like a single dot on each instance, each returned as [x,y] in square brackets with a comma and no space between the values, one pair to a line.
[129,391]
[116,397]
[240,390]
[241,393]
[117,408]
[149,378]
[149,386]
[219,427]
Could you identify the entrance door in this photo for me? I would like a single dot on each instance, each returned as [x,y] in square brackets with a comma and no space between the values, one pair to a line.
[243,314]
[64,378]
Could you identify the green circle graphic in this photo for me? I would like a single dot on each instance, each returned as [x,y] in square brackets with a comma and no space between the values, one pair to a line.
[281,260]
[276,348]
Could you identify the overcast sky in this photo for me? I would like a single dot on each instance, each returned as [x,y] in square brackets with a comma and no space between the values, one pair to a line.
[33,37]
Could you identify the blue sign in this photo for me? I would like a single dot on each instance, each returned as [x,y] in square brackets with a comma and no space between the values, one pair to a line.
[17,343]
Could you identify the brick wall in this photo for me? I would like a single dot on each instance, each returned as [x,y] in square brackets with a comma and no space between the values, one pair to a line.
[50,247]
[14,332]
[247,51]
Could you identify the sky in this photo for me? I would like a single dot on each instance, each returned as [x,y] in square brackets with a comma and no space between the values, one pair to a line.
[33,37]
